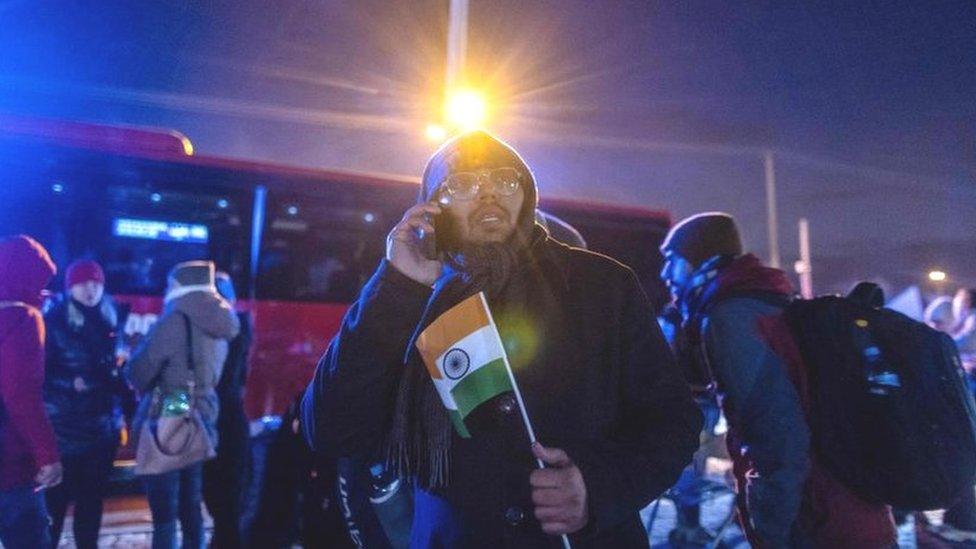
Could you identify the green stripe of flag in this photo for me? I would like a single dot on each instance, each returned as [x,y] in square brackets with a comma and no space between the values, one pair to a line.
[459,425]
[480,385]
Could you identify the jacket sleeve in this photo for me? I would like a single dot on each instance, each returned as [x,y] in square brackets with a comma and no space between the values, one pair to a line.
[764,408]
[155,349]
[658,425]
[21,379]
[349,403]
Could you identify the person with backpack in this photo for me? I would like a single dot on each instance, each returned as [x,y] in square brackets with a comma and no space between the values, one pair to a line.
[85,395]
[29,460]
[176,369]
[727,298]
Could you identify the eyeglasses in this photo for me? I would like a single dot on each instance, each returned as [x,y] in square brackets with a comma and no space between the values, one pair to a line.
[467,185]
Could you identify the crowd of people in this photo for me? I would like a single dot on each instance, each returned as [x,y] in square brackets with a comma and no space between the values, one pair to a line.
[69,391]
[618,406]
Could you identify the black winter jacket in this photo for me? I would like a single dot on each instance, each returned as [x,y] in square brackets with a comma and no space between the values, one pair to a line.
[596,375]
[84,392]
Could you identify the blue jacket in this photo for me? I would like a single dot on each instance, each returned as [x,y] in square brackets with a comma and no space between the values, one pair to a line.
[764,410]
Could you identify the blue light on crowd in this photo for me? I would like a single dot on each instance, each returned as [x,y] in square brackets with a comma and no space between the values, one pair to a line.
[155,197]
[160,230]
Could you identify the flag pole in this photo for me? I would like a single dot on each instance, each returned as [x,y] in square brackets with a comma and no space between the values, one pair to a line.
[518,394]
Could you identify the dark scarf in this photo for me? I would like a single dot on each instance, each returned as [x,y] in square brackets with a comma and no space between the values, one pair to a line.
[723,276]
[421,437]
[92,322]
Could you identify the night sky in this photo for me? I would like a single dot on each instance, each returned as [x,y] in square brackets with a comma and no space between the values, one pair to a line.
[870,107]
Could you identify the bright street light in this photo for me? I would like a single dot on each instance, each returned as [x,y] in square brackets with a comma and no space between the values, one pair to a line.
[436,132]
[466,109]
[937,276]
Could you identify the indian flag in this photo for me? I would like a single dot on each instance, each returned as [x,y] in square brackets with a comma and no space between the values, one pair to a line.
[465,357]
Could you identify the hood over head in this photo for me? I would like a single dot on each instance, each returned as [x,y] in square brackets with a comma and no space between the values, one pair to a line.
[25,269]
[209,312]
[477,150]
[193,273]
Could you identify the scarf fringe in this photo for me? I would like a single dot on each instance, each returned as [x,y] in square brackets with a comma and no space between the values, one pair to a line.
[421,438]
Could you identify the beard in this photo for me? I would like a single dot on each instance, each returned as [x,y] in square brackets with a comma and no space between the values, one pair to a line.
[488,266]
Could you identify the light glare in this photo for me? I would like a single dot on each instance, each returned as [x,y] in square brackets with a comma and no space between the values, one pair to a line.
[937,276]
[466,109]
[436,132]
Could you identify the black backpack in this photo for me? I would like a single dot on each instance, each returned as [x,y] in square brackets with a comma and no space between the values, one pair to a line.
[890,414]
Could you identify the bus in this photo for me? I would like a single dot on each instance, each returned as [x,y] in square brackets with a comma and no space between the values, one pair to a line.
[298,242]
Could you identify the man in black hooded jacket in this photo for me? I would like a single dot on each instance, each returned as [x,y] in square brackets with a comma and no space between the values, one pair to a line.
[614,418]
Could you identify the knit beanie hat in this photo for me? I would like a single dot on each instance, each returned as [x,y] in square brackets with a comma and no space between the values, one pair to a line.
[81,271]
[193,273]
[476,150]
[704,236]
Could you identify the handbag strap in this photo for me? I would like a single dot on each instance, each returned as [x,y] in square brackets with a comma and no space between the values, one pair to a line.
[190,363]
[154,430]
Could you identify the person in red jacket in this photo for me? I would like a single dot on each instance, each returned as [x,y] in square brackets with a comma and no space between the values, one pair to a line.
[732,306]
[29,458]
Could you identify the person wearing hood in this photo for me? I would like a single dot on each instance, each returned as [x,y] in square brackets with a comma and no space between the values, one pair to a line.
[730,304]
[84,394]
[161,361]
[29,460]
[614,419]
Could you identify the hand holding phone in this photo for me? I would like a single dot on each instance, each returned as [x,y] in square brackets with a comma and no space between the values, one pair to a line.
[411,245]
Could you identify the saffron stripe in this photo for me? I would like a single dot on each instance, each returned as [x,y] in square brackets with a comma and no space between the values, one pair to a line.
[449,328]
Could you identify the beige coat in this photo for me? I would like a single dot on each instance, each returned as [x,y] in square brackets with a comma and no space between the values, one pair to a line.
[161,360]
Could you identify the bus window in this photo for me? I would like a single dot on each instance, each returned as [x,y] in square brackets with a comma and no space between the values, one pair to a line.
[136,218]
[144,231]
[323,250]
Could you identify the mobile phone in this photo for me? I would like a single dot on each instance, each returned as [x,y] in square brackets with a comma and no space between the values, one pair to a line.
[433,244]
